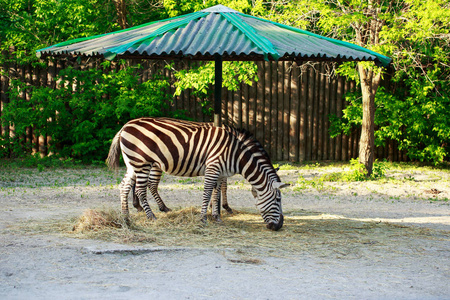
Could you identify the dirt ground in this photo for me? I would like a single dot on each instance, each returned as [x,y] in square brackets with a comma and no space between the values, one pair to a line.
[409,259]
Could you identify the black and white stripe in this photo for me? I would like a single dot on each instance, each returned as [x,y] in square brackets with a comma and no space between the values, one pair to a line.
[153,182]
[184,148]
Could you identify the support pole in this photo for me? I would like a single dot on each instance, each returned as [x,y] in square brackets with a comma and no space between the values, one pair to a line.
[218,91]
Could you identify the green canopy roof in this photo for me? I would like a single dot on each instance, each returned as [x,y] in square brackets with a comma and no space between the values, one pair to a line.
[217,30]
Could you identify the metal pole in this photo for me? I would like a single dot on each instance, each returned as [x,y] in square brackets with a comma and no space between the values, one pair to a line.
[218,91]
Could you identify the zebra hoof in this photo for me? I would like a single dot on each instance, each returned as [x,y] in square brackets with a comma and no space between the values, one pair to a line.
[203,219]
[151,217]
[165,209]
[229,210]
[126,221]
[217,219]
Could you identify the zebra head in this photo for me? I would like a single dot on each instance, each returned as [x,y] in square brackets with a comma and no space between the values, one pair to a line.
[269,204]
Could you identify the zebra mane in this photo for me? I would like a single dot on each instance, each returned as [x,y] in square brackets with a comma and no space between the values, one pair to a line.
[247,138]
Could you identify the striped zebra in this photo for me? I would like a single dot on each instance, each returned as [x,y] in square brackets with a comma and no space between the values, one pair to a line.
[184,148]
[153,182]
[155,178]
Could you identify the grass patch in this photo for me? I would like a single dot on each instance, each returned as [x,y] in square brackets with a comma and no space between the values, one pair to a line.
[304,232]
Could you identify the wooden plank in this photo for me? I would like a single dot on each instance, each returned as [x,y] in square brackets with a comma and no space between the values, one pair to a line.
[35,137]
[354,143]
[326,120]
[245,107]
[309,114]
[332,111]
[321,119]
[345,90]
[339,100]
[294,114]
[43,138]
[226,108]
[11,70]
[303,99]
[353,147]
[3,92]
[259,133]
[267,108]
[252,104]
[231,108]
[239,105]
[286,110]
[29,133]
[280,109]
[274,111]
[315,104]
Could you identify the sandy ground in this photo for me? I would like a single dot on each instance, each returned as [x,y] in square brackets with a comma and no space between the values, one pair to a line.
[54,266]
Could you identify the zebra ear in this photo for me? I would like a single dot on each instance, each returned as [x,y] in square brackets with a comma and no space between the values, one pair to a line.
[280,185]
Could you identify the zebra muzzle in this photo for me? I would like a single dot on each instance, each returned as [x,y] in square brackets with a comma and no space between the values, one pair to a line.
[276,226]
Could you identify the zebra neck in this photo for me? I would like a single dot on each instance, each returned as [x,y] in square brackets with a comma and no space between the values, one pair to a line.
[256,169]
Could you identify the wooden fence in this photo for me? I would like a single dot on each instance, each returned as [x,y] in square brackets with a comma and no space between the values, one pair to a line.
[287,109]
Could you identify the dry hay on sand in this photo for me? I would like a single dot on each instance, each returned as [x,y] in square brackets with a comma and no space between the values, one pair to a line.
[304,232]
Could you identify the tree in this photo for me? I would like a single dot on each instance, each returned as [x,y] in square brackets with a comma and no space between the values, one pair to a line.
[367,19]
[415,33]
[413,108]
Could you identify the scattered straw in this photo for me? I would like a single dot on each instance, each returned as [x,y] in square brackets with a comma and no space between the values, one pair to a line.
[303,232]
[93,220]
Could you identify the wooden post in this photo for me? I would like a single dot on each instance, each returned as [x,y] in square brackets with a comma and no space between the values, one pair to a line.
[303,96]
[294,114]
[309,114]
[326,125]
[286,109]
[274,112]
[259,108]
[218,91]
[280,108]
[267,109]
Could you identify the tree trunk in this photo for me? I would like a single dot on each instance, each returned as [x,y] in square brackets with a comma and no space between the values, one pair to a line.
[369,86]
[121,10]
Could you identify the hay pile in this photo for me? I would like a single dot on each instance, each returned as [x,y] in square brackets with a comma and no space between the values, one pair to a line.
[303,232]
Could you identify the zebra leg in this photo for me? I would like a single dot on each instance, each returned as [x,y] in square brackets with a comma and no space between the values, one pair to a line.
[136,203]
[216,200]
[224,197]
[211,178]
[153,182]
[125,187]
[141,191]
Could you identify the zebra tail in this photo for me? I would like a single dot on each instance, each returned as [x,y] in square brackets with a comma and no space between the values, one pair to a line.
[114,153]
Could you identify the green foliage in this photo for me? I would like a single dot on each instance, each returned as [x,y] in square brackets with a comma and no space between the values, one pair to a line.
[29,25]
[201,79]
[41,163]
[356,172]
[83,114]
[180,7]
[413,108]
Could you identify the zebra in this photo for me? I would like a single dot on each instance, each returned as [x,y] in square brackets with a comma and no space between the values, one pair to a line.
[153,182]
[155,178]
[183,148]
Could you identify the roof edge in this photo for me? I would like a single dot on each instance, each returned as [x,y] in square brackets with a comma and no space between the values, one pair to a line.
[384,60]
[219,9]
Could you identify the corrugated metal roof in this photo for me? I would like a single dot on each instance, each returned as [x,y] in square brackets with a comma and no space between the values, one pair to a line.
[216,30]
